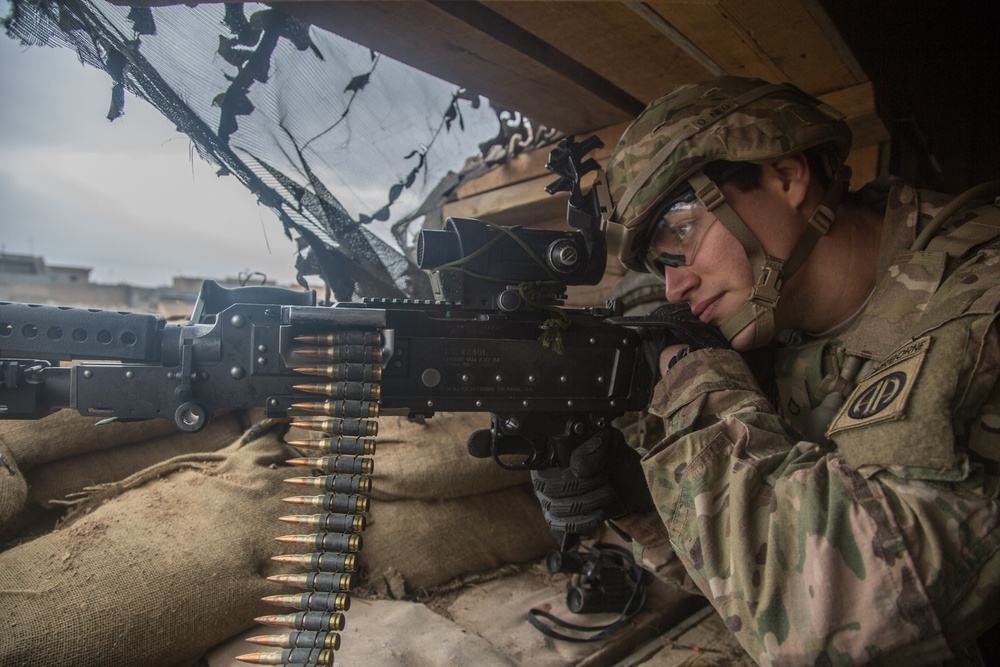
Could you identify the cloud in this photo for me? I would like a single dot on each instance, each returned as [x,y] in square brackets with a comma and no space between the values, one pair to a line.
[127,198]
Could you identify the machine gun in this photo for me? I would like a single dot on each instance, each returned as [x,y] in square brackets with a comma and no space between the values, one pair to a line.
[498,340]
[253,347]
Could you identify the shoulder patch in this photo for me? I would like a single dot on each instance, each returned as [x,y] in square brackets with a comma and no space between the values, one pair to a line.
[883,395]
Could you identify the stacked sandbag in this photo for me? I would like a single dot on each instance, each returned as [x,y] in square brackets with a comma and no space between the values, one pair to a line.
[62,456]
[65,433]
[26,444]
[51,482]
[154,569]
[13,489]
[160,566]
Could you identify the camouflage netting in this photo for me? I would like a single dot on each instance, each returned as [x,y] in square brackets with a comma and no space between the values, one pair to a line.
[350,148]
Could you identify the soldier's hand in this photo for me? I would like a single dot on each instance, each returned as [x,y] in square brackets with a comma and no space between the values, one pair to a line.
[603,481]
[667,356]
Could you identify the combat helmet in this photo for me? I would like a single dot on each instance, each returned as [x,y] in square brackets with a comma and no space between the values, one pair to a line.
[665,150]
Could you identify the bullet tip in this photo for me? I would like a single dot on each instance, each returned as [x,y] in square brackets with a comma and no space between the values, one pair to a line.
[263,640]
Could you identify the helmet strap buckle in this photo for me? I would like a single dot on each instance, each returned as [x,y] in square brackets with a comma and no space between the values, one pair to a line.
[709,194]
[767,289]
[822,219]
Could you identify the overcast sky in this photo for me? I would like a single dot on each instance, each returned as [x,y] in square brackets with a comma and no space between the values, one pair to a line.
[128,198]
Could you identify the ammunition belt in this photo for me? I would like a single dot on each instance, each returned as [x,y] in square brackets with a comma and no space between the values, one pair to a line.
[339,409]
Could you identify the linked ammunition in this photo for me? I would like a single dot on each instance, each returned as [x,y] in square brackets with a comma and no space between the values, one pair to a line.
[309,656]
[343,338]
[354,391]
[319,621]
[344,446]
[352,354]
[337,504]
[335,483]
[320,562]
[344,371]
[349,427]
[341,408]
[321,582]
[306,639]
[334,523]
[312,601]
[336,542]
[345,465]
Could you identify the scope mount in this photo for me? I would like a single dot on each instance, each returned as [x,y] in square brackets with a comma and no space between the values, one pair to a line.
[486,266]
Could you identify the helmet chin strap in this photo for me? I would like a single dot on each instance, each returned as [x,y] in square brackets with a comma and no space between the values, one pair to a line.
[769,272]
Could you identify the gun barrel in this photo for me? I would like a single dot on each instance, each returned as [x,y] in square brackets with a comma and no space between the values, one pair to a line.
[57,332]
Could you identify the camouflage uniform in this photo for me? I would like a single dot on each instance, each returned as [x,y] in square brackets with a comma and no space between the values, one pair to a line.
[879,544]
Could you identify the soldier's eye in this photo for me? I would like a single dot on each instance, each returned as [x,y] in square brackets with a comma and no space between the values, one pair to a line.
[682,230]
[666,260]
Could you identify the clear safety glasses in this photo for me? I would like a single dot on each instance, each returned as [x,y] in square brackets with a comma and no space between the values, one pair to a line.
[677,233]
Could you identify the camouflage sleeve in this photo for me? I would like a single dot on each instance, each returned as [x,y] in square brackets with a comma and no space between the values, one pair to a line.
[804,557]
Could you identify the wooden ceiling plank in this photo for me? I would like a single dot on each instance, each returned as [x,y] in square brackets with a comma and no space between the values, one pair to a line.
[675,36]
[548,50]
[610,39]
[434,41]
[837,41]
[719,38]
[775,40]
[794,41]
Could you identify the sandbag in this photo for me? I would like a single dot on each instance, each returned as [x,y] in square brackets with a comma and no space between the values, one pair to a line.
[60,479]
[67,433]
[427,543]
[13,489]
[159,567]
[154,570]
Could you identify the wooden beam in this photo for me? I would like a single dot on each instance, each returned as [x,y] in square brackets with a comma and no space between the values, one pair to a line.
[525,203]
[549,50]
[610,39]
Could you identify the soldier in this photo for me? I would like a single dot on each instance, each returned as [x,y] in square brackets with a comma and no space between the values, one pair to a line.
[845,513]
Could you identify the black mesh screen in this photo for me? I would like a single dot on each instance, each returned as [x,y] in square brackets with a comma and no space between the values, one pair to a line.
[351,149]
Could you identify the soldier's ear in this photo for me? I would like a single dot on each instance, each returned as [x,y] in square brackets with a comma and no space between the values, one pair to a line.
[792,177]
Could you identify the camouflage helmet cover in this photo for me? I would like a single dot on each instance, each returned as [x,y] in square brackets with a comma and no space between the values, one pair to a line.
[726,118]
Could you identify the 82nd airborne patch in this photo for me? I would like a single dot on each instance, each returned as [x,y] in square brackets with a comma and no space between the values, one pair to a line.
[882,396]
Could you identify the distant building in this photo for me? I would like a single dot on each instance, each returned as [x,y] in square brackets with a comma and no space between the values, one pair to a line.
[28,279]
